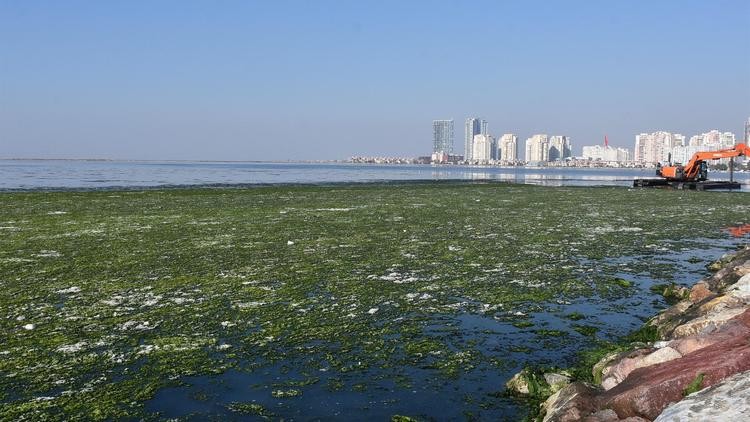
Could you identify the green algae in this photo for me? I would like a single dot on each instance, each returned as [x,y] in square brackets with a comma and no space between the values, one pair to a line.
[586,330]
[250,409]
[694,386]
[129,292]
[575,316]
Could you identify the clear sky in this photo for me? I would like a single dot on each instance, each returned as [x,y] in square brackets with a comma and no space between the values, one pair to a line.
[275,80]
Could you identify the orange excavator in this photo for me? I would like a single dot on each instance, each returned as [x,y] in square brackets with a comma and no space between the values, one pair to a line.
[694,174]
[696,170]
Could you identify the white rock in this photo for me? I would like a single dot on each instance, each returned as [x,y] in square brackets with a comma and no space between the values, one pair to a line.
[372,310]
[741,289]
[289,242]
[72,348]
[29,326]
[69,290]
[728,400]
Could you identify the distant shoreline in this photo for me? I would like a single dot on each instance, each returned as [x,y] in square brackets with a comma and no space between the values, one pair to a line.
[370,183]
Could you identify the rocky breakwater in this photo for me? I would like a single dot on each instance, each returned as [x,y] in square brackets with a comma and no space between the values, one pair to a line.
[696,369]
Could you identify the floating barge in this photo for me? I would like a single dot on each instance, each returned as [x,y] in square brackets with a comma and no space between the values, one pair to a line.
[704,185]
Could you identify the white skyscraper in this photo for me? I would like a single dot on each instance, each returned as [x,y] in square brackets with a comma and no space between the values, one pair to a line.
[727,140]
[747,130]
[559,148]
[655,147]
[537,148]
[474,126]
[709,141]
[482,148]
[508,147]
[442,136]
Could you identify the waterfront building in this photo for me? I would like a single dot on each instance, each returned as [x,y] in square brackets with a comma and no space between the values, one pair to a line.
[655,147]
[559,148]
[727,140]
[663,146]
[474,126]
[445,158]
[482,148]
[713,140]
[747,130]
[537,148]
[442,136]
[606,153]
[681,154]
[508,147]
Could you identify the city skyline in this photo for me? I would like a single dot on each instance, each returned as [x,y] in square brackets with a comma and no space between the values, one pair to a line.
[657,147]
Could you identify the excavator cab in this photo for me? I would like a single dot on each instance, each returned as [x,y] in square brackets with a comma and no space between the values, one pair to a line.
[703,171]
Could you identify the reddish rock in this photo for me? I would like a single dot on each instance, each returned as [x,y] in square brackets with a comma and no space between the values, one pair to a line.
[572,403]
[609,415]
[699,292]
[624,367]
[647,391]
[606,415]
[732,329]
[620,366]
[708,323]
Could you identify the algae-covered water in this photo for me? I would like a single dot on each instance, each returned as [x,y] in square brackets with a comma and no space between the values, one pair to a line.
[333,302]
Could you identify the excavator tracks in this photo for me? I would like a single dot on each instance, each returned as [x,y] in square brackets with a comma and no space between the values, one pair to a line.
[705,185]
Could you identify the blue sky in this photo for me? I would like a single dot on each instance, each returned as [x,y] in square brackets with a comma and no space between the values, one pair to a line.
[277,80]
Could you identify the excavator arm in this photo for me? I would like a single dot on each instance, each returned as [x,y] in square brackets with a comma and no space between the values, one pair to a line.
[696,168]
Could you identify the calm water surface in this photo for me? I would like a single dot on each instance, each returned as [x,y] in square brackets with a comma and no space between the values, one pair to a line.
[35,174]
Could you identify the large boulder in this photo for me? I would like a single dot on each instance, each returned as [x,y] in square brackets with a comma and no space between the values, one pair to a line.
[728,400]
[740,289]
[572,403]
[670,318]
[732,329]
[648,390]
[622,369]
[557,380]
[519,383]
[707,323]
[700,291]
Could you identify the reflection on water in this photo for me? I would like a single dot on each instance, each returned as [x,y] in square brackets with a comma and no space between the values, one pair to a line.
[738,231]
[30,174]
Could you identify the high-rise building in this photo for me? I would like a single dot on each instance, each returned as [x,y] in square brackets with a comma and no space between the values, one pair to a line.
[655,147]
[682,154]
[442,136]
[482,148]
[559,148]
[508,147]
[747,130]
[537,148]
[474,126]
[606,153]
